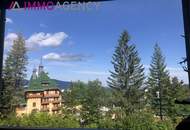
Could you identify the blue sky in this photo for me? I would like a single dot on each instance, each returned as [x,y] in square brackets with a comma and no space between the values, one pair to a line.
[78,45]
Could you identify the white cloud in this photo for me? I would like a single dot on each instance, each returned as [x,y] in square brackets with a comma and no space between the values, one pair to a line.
[63,57]
[8,20]
[45,39]
[52,56]
[38,40]
[9,38]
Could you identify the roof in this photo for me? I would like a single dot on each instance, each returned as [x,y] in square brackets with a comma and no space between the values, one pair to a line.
[41,82]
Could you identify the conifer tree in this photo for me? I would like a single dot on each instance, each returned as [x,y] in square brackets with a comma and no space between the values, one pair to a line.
[128,74]
[14,73]
[158,82]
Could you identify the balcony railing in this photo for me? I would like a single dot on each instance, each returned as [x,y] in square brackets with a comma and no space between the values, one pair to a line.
[45,102]
[51,95]
[56,101]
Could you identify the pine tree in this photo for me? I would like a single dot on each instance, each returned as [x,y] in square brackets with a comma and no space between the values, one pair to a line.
[158,82]
[14,73]
[128,74]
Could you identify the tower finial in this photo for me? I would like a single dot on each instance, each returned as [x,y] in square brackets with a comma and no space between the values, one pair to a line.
[40,69]
[41,61]
[34,76]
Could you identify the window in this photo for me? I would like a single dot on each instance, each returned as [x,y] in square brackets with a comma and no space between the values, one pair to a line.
[56,99]
[34,104]
[46,99]
[55,105]
[44,84]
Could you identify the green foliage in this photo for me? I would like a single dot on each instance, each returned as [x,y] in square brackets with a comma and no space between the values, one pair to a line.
[14,73]
[158,83]
[134,121]
[179,91]
[137,121]
[124,101]
[169,90]
[41,120]
[75,94]
[128,74]
[90,96]
[92,103]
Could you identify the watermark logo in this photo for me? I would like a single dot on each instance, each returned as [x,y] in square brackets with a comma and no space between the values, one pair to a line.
[51,5]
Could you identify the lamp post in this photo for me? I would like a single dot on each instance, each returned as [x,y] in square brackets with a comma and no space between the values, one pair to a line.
[158,94]
[159,98]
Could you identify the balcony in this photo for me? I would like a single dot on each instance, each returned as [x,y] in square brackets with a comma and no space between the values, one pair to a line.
[56,108]
[56,101]
[45,102]
[51,95]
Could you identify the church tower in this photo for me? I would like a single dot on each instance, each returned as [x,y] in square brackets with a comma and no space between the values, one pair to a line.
[41,67]
[34,75]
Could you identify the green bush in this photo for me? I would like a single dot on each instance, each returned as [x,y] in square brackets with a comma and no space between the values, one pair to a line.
[134,121]
[137,121]
[40,120]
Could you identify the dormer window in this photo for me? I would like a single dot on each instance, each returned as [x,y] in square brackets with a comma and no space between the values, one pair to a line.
[45,84]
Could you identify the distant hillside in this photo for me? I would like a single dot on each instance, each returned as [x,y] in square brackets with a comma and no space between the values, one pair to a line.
[60,84]
[63,84]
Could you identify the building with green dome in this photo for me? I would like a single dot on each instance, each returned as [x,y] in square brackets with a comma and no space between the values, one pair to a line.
[42,94]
